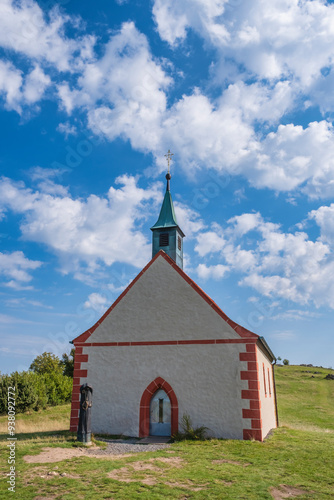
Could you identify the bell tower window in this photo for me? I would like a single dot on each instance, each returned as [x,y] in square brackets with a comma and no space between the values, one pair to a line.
[164,240]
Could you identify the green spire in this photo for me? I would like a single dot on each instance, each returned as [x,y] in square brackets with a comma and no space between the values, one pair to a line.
[167,217]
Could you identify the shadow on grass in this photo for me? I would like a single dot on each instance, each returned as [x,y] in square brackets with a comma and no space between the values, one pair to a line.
[45,435]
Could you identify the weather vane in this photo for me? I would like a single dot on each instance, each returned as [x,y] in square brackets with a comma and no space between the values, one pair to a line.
[169,158]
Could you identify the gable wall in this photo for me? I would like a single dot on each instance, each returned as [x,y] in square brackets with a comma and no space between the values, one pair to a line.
[162,306]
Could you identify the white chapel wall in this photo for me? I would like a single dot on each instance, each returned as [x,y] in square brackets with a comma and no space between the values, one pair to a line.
[205,379]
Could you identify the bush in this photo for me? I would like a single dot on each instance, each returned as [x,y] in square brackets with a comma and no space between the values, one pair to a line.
[5,382]
[67,363]
[46,363]
[197,434]
[25,391]
[33,391]
[58,388]
[285,362]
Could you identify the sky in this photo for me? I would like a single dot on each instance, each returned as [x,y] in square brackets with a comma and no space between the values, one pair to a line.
[92,96]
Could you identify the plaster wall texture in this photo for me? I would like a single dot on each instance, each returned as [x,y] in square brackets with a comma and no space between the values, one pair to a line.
[205,379]
[162,306]
[268,410]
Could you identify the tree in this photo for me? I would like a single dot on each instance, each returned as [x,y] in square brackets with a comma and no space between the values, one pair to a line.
[285,361]
[46,363]
[67,363]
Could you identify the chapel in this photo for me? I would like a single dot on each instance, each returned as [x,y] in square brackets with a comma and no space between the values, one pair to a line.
[164,349]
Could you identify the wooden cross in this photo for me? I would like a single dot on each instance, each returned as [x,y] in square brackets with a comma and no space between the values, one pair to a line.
[169,158]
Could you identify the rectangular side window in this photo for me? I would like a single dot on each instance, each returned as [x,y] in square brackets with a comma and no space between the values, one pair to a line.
[264,380]
[269,382]
[179,243]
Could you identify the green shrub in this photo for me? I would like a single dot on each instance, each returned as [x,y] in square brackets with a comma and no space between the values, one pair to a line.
[25,392]
[58,388]
[46,363]
[188,432]
[5,382]
[34,391]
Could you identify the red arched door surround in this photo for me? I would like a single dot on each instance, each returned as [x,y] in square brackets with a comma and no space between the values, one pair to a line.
[144,410]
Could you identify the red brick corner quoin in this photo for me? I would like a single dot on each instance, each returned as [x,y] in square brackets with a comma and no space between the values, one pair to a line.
[144,410]
[252,393]
[77,374]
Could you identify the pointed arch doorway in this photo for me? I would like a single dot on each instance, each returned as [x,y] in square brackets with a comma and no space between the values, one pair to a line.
[159,413]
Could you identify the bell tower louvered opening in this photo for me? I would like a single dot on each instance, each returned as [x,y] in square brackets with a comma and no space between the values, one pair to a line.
[163,239]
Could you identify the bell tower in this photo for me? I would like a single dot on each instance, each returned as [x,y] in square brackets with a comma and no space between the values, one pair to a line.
[167,235]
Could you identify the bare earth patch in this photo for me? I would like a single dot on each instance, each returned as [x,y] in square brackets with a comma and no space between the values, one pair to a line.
[60,454]
[285,491]
[187,484]
[46,498]
[46,473]
[233,462]
[173,461]
[125,474]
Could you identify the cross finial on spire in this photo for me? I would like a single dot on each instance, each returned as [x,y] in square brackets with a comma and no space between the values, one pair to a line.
[169,158]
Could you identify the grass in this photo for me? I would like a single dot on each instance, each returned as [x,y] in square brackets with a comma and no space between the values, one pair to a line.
[305,398]
[298,454]
[54,418]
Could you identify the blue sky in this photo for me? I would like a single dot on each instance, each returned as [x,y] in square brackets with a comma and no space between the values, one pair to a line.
[93,94]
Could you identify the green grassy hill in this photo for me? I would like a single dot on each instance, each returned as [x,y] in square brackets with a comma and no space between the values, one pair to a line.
[296,460]
[305,398]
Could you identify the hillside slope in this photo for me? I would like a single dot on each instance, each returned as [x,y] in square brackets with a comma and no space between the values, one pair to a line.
[305,398]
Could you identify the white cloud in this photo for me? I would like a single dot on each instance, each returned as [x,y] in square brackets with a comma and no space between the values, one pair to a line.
[10,85]
[216,137]
[188,219]
[25,29]
[16,267]
[90,233]
[210,241]
[279,51]
[296,314]
[215,272]
[19,90]
[324,217]
[283,44]
[35,85]
[292,156]
[244,223]
[67,129]
[133,96]
[171,20]
[270,39]
[97,302]
[284,336]
[44,179]
[275,264]
[259,101]
[19,302]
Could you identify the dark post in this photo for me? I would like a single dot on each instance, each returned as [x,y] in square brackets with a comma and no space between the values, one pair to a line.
[84,427]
